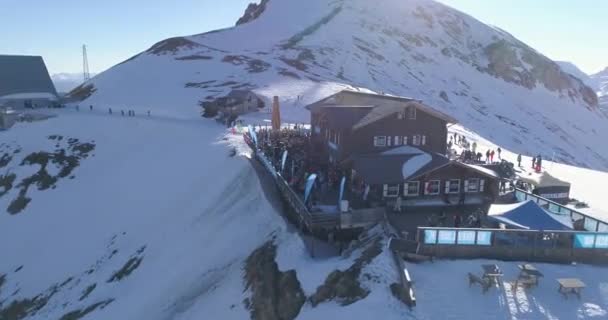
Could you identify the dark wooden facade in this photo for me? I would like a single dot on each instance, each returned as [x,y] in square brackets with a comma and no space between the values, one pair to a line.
[349,123]
[452,184]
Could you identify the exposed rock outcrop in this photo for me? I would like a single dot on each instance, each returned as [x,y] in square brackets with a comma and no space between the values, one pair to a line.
[252,12]
[275,295]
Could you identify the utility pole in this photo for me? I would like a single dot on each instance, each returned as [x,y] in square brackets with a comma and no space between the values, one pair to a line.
[86,76]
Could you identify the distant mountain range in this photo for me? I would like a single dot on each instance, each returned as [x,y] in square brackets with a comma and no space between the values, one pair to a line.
[65,82]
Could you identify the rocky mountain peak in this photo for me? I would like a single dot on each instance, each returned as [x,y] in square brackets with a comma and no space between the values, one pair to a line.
[252,12]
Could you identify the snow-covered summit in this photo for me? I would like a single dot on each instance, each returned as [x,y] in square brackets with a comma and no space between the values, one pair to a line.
[482,76]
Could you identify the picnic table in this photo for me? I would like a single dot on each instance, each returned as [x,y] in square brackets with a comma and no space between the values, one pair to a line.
[570,285]
[492,273]
[529,271]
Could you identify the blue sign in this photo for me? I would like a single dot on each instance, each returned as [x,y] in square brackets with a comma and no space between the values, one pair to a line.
[309,184]
[341,190]
[484,238]
[446,237]
[466,237]
[253,135]
[584,240]
[430,236]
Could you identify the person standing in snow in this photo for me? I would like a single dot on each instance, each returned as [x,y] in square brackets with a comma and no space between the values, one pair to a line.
[533,163]
[539,161]
[488,156]
[110,110]
[499,151]
[519,160]
[492,156]
[474,146]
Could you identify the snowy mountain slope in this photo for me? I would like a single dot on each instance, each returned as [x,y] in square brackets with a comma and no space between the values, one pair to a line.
[488,80]
[158,222]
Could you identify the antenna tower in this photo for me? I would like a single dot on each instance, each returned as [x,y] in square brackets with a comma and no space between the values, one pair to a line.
[85,64]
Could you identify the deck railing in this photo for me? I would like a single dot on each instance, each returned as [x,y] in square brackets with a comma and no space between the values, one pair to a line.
[589,223]
[527,245]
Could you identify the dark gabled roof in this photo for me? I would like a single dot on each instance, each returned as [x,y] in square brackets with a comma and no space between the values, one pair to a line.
[239,94]
[388,168]
[344,117]
[382,111]
[24,74]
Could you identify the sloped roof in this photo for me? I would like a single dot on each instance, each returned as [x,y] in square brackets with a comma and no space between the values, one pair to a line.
[24,74]
[545,180]
[396,165]
[528,215]
[239,94]
[379,111]
[344,117]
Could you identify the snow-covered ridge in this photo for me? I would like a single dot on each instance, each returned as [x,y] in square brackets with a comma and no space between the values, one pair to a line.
[482,76]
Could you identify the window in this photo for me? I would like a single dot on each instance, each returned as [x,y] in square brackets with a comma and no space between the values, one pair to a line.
[405,140]
[379,141]
[411,189]
[391,190]
[424,140]
[452,186]
[388,141]
[397,140]
[471,185]
[416,140]
[431,187]
[411,113]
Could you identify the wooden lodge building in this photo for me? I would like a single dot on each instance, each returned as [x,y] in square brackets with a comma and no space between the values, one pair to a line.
[393,147]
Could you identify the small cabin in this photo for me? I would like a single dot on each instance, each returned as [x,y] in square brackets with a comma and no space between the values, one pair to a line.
[8,117]
[240,102]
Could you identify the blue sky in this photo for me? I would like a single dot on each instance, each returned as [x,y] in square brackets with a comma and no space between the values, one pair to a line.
[114,30]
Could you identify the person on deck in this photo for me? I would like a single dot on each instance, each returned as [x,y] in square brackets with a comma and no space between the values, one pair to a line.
[442,219]
[474,147]
[519,160]
[457,221]
[492,156]
[488,156]
[539,161]
[397,207]
[499,151]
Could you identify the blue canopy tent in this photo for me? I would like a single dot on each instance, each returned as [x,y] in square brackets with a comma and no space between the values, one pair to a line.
[528,215]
